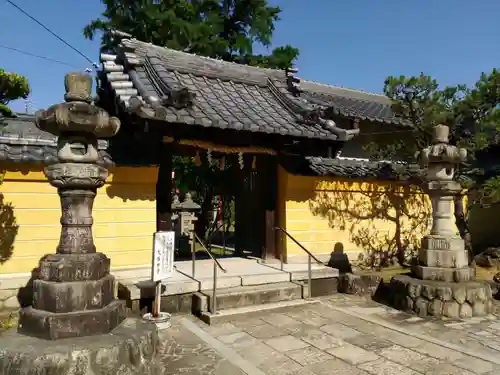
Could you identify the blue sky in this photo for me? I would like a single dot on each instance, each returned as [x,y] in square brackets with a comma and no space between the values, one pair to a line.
[349,43]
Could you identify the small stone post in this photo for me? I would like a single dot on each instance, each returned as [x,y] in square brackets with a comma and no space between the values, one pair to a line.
[74,295]
[443,255]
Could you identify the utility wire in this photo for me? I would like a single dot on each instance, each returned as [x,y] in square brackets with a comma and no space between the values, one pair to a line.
[37,56]
[51,32]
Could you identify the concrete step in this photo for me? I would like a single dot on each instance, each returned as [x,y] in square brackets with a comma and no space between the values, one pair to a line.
[320,287]
[251,295]
[226,315]
[299,271]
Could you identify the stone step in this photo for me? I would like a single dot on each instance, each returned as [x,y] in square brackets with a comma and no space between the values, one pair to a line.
[251,295]
[226,315]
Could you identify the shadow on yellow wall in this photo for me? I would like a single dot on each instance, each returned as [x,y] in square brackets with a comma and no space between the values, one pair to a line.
[8,230]
[127,184]
[8,227]
[363,209]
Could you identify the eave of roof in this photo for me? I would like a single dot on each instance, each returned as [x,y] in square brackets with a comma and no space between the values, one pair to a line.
[351,168]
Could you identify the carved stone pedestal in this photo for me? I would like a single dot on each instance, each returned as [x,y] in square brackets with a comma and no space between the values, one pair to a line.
[443,258]
[129,349]
[74,295]
[441,298]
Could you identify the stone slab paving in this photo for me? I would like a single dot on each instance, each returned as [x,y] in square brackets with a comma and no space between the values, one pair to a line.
[183,352]
[477,334]
[342,335]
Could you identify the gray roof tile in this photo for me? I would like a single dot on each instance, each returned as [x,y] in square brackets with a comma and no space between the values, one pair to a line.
[350,168]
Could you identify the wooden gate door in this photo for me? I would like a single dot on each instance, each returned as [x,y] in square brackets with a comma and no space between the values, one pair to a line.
[255,208]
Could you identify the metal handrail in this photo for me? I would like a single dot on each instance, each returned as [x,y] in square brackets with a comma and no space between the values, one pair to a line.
[209,238]
[213,307]
[310,256]
[300,245]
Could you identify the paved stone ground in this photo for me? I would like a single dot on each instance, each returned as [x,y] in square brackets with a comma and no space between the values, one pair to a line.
[340,335]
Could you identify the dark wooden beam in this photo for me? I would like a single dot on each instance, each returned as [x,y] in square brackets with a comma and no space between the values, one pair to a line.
[242,138]
[164,189]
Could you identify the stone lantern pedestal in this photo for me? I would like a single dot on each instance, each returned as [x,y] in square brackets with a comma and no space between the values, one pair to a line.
[75,325]
[184,223]
[442,283]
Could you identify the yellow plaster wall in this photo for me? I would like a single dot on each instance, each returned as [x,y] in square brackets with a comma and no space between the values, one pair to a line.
[360,216]
[124,217]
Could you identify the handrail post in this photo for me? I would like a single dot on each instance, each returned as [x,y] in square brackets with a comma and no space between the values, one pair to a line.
[281,260]
[214,294]
[309,275]
[281,239]
[193,253]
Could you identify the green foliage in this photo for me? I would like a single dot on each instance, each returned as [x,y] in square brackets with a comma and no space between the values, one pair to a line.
[12,86]
[225,30]
[7,322]
[473,115]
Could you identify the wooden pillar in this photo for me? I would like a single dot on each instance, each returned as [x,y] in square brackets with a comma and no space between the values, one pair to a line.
[240,200]
[270,196]
[164,189]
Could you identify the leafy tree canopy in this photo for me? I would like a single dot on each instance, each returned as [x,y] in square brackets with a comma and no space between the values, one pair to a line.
[12,86]
[226,30]
[473,115]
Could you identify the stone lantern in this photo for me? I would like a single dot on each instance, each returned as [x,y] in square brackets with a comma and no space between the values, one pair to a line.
[184,225]
[443,255]
[74,295]
[442,284]
[75,325]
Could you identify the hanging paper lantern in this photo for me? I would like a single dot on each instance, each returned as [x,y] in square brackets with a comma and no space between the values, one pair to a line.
[222,163]
[197,160]
[254,162]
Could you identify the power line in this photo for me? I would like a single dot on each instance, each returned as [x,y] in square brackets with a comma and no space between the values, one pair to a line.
[51,32]
[37,56]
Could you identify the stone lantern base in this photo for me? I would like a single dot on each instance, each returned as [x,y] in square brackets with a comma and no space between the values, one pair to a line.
[129,349]
[73,297]
[457,300]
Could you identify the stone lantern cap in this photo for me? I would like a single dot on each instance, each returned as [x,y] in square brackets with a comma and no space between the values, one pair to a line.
[77,115]
[188,205]
[440,152]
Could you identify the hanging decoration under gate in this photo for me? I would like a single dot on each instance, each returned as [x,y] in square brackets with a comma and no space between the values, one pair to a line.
[197,159]
[241,161]
[209,157]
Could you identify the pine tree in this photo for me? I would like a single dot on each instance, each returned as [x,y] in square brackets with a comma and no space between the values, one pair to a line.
[473,115]
[12,86]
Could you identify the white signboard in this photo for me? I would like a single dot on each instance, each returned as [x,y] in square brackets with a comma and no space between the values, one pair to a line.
[163,255]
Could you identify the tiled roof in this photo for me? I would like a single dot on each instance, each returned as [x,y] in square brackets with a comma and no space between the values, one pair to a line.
[350,168]
[22,142]
[378,110]
[362,169]
[183,88]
